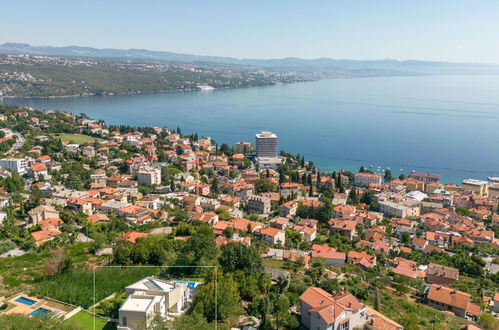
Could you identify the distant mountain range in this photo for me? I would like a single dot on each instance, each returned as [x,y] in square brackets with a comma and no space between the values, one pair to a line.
[321,65]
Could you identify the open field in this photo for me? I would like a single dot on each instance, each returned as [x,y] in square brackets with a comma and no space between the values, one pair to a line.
[78,138]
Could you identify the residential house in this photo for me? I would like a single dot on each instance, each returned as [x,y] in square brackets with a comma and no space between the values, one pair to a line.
[272,235]
[419,244]
[288,209]
[80,205]
[439,274]
[151,297]
[343,227]
[362,258]
[279,222]
[308,234]
[38,171]
[210,218]
[324,311]
[329,254]
[259,204]
[41,213]
[455,301]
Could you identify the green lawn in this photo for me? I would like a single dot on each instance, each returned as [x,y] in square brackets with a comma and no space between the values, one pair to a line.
[86,320]
[78,138]
[274,263]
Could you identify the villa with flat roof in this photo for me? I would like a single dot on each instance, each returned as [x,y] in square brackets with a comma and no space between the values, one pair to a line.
[150,297]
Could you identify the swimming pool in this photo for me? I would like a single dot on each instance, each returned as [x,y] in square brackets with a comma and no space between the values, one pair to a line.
[41,313]
[26,301]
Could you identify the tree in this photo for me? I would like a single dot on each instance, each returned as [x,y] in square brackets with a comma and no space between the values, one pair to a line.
[223,214]
[353,197]
[402,289]
[265,185]
[188,321]
[388,175]
[14,183]
[487,321]
[199,250]
[406,237]
[264,310]
[222,293]
[281,310]
[237,256]
[283,283]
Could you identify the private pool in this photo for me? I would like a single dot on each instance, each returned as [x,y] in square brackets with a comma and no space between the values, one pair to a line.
[41,313]
[26,301]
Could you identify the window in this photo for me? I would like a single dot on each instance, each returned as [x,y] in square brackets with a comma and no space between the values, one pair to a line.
[344,326]
[124,321]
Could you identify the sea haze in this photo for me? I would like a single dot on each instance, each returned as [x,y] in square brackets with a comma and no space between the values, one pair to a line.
[443,124]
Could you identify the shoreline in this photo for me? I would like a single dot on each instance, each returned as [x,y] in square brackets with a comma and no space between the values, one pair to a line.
[275,83]
[156,92]
[450,174]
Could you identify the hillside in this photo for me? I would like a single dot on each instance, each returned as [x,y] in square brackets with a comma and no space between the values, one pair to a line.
[322,65]
[25,75]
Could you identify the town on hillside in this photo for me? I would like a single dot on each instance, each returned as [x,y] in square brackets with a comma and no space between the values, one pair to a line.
[118,227]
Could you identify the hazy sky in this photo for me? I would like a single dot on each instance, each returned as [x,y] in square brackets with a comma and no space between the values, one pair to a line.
[448,30]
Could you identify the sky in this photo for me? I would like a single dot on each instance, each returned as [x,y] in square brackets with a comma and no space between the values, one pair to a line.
[441,30]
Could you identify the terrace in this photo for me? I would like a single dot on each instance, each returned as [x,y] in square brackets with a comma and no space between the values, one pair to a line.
[35,307]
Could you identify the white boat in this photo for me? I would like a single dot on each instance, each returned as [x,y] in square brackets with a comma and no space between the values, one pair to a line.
[205,87]
[494,179]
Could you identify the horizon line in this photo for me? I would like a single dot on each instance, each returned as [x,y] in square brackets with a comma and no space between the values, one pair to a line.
[256,59]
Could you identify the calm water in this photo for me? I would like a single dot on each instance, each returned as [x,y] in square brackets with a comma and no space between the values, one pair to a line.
[443,124]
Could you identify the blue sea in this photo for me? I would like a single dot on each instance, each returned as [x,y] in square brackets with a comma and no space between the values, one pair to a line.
[439,124]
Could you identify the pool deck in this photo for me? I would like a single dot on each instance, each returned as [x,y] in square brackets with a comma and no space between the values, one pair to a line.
[16,307]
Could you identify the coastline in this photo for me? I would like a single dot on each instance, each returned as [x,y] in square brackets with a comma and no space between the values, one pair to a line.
[330,147]
[158,91]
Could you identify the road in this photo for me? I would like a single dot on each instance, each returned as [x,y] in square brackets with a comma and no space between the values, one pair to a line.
[19,141]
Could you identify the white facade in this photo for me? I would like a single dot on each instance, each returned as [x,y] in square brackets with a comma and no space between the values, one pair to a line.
[389,208]
[150,297]
[149,176]
[266,144]
[365,179]
[14,164]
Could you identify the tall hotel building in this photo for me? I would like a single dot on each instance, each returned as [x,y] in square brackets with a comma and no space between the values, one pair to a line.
[266,144]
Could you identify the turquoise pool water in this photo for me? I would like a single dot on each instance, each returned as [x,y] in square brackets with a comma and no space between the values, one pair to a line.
[41,313]
[26,301]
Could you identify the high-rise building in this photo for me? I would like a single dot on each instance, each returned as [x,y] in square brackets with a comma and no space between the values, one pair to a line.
[266,144]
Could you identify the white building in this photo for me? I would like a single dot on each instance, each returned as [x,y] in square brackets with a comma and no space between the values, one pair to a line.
[150,297]
[18,165]
[365,179]
[266,144]
[149,176]
[403,209]
[269,162]
[477,186]
[259,204]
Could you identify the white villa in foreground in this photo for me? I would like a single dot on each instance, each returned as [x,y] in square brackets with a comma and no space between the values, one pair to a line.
[150,296]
